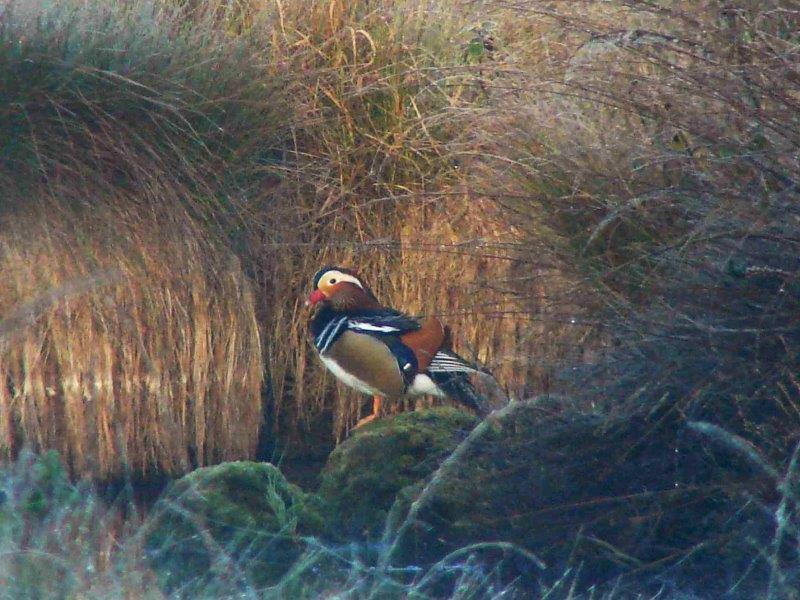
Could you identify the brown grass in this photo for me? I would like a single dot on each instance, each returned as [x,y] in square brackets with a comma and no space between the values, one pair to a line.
[651,152]
[372,185]
[349,137]
[129,342]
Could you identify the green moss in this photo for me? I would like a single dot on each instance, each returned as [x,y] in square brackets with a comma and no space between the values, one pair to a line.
[47,487]
[240,519]
[584,489]
[382,460]
[570,487]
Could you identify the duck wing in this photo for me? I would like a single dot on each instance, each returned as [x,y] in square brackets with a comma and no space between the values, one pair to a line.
[425,341]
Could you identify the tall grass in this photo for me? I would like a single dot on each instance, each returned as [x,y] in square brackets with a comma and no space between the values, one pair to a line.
[129,342]
[650,150]
[301,134]
[372,184]
[653,155]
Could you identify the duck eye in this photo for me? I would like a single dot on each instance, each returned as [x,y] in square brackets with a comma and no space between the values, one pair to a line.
[332,281]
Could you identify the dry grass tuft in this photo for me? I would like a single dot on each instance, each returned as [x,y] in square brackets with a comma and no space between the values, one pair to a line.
[129,342]
[372,183]
[652,152]
[300,134]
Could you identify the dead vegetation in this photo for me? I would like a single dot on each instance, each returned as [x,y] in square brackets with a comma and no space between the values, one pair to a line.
[321,135]
[601,197]
[370,184]
[114,360]
[658,164]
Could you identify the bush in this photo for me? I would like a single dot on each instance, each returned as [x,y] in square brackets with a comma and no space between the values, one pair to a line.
[237,525]
[667,193]
[651,154]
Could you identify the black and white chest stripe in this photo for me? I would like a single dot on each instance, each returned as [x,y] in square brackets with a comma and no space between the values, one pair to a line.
[337,325]
[329,333]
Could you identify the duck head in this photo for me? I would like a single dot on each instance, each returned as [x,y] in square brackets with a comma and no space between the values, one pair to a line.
[341,289]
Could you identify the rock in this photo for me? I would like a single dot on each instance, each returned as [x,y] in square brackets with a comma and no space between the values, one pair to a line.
[622,496]
[386,458]
[609,497]
[237,523]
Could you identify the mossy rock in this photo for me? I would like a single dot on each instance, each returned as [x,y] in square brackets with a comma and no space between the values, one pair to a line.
[385,459]
[238,522]
[609,497]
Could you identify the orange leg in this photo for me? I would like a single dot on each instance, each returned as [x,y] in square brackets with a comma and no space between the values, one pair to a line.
[376,408]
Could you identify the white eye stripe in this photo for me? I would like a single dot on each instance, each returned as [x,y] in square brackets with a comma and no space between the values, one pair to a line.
[339,277]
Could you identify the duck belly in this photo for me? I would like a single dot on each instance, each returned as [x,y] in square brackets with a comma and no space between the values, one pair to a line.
[348,378]
[365,363]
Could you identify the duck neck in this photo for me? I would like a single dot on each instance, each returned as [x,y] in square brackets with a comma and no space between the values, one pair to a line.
[324,316]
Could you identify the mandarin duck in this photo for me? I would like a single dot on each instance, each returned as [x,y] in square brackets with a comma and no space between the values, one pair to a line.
[381,351]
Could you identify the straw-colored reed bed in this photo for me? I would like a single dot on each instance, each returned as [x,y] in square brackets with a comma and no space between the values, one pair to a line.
[464,269]
[376,183]
[128,342]
[299,134]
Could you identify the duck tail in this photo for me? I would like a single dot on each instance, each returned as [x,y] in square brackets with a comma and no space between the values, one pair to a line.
[458,387]
[452,374]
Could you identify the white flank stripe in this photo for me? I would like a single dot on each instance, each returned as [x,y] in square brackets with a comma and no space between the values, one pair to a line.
[370,327]
[448,359]
[445,363]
